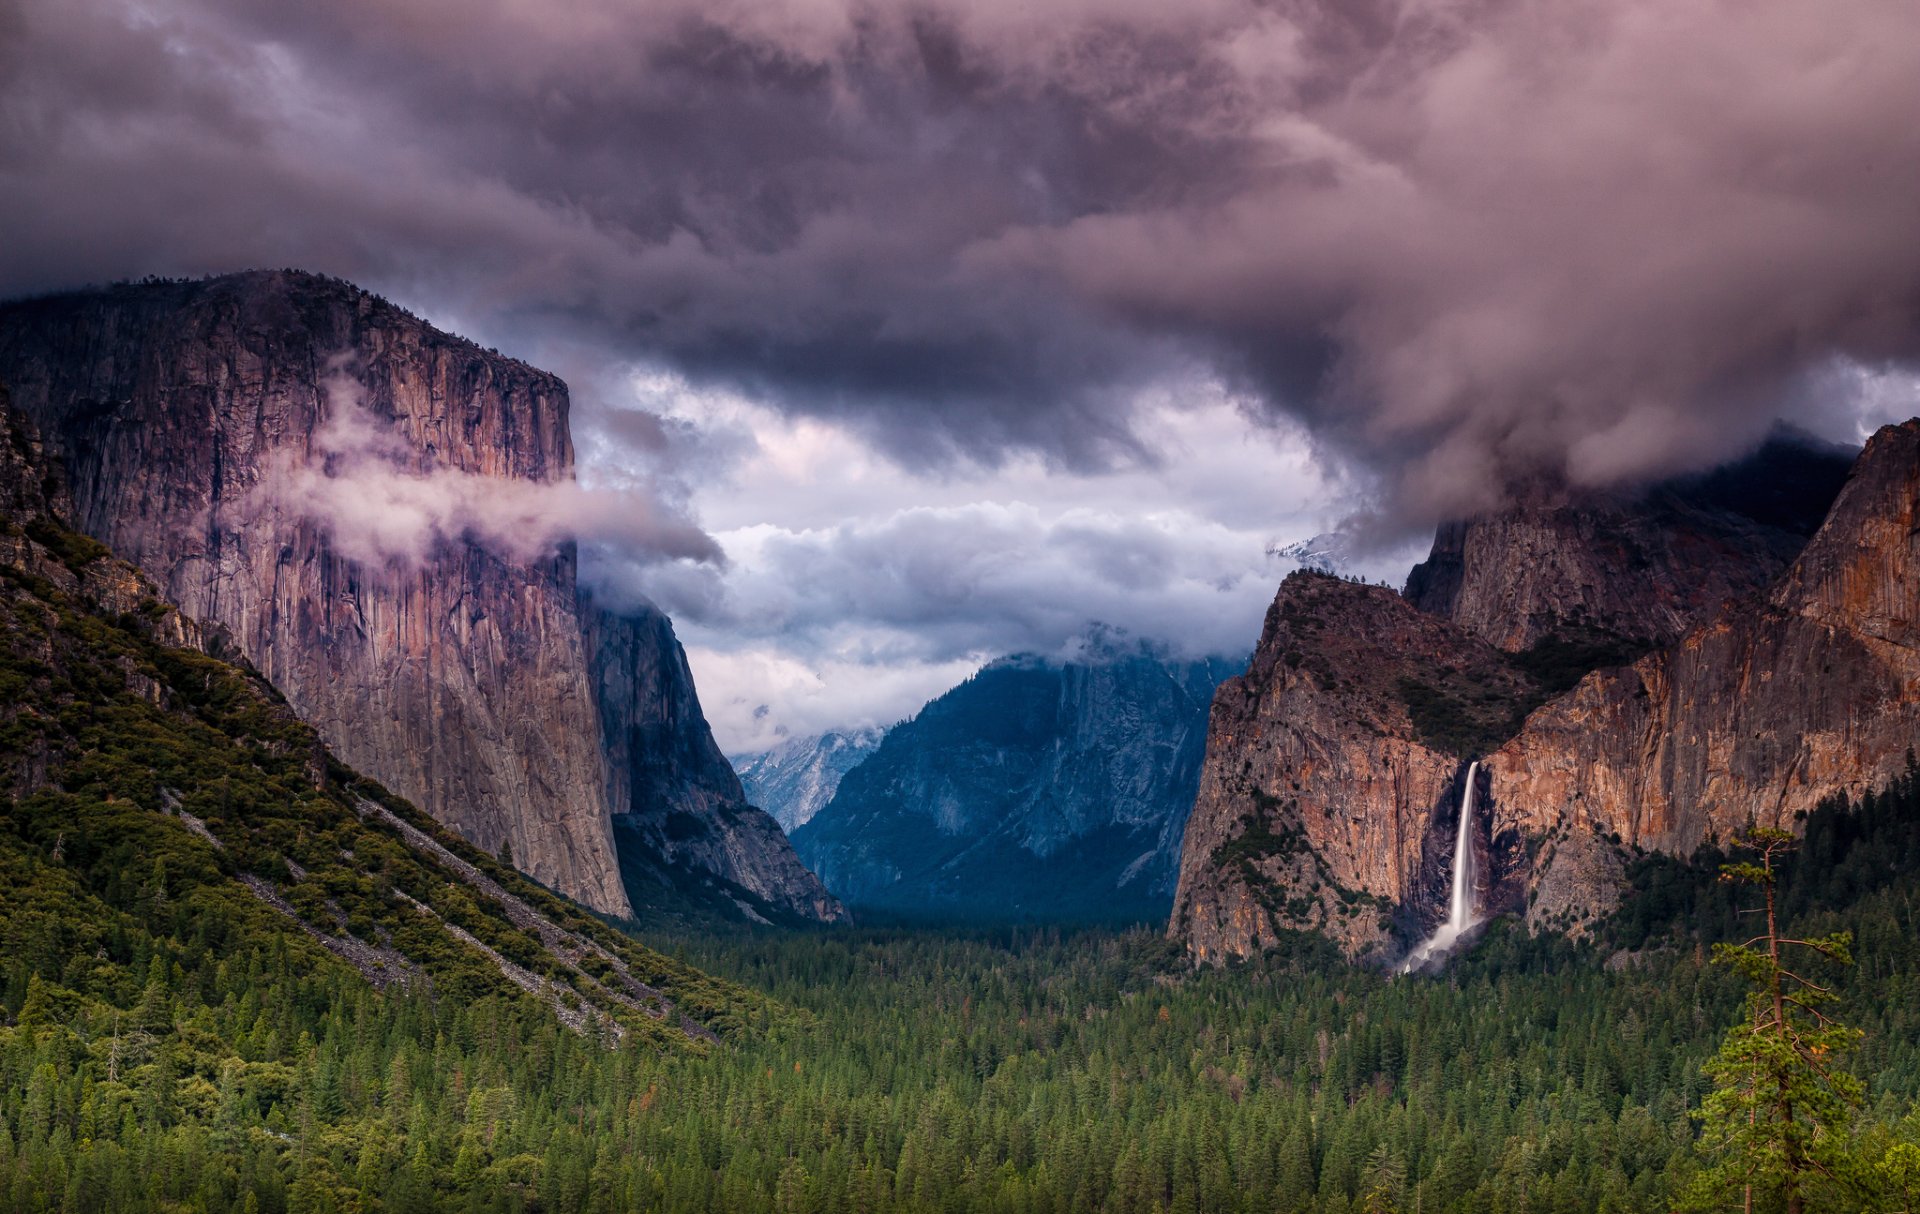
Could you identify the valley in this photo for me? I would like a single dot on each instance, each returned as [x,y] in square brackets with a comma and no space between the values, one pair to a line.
[1417,907]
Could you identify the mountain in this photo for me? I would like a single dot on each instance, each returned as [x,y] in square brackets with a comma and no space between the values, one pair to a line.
[485,688]
[1753,717]
[795,780]
[684,828]
[168,825]
[1634,567]
[1332,765]
[1034,789]
[1336,766]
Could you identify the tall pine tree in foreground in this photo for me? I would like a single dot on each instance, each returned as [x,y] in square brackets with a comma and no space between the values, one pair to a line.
[1776,1123]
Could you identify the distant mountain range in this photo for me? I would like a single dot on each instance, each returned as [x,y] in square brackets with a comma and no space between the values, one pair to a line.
[1329,552]
[1036,789]
[795,780]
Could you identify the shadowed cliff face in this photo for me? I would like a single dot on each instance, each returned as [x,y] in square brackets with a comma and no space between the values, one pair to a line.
[464,680]
[1333,771]
[678,808]
[1639,567]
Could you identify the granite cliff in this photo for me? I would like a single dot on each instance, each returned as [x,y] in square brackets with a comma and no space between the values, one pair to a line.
[1035,789]
[681,819]
[149,779]
[1752,717]
[1329,795]
[1767,671]
[1637,567]
[475,683]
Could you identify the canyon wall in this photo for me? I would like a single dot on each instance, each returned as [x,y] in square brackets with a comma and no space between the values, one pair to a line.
[1753,717]
[1639,567]
[1324,804]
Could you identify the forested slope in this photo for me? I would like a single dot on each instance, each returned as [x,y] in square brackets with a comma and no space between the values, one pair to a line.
[200,908]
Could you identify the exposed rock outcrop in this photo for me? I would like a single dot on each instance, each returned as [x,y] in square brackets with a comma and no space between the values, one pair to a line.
[36,542]
[679,812]
[1334,772]
[1789,674]
[458,680]
[1035,789]
[131,731]
[1641,567]
[1756,716]
[464,679]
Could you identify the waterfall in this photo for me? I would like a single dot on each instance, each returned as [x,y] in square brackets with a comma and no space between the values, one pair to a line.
[1460,909]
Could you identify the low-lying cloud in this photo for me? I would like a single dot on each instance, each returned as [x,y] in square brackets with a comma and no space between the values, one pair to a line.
[365,485]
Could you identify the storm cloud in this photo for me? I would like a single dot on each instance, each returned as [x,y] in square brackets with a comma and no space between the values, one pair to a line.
[1463,241]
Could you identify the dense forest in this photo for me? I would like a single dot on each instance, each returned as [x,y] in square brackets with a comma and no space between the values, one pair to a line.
[1045,1070]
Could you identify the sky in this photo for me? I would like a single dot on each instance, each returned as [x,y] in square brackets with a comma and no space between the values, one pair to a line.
[924,332]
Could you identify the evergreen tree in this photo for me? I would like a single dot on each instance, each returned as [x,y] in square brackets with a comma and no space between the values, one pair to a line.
[1775,1124]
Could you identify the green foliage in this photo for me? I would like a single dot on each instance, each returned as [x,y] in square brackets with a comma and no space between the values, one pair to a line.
[70,548]
[1471,712]
[171,1040]
[1776,1123]
[1561,659]
[1463,717]
[1259,841]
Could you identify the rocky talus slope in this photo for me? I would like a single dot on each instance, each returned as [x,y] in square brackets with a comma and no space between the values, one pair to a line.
[1773,673]
[1034,790]
[464,678]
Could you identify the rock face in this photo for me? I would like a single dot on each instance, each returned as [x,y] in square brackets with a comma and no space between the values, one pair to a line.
[1033,790]
[1335,767]
[680,816]
[795,780]
[1754,717]
[1776,672]
[1637,567]
[466,680]
[34,540]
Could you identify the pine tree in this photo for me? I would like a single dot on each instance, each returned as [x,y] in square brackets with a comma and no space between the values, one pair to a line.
[1776,1122]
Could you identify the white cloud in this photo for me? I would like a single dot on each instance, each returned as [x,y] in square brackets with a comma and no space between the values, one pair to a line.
[759,695]
[857,589]
[379,503]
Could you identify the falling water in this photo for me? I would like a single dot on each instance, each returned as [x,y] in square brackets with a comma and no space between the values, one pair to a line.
[1460,903]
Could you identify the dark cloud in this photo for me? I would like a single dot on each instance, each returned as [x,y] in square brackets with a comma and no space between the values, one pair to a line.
[1466,239]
